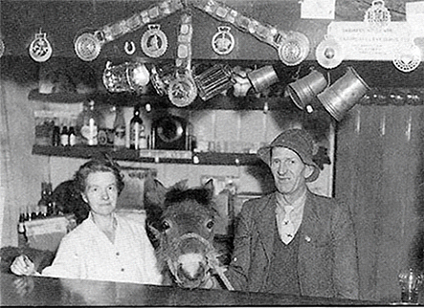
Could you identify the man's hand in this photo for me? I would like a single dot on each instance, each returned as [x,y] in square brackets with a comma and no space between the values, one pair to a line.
[23,266]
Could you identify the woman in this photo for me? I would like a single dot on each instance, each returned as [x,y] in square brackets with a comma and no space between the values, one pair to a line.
[105,246]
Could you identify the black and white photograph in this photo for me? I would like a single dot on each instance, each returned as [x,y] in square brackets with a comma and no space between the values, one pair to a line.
[212,153]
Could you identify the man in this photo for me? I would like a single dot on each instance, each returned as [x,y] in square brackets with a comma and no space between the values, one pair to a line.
[293,241]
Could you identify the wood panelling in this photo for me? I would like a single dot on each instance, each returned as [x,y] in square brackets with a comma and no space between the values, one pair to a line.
[377,170]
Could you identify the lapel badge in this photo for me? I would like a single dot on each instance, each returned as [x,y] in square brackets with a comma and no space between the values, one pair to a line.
[40,49]
[223,41]
[154,42]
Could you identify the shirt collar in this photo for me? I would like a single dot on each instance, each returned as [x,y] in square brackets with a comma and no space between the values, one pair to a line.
[298,207]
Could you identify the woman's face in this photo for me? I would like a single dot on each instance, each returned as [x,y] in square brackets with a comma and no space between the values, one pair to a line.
[101,192]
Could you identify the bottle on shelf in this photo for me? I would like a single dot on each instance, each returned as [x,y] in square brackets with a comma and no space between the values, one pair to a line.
[51,206]
[42,203]
[64,136]
[71,135]
[119,133]
[89,129]
[22,237]
[190,140]
[138,138]
[56,135]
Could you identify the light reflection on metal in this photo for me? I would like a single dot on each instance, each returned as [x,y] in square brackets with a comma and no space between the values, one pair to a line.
[87,46]
[343,94]
[154,42]
[125,77]
[329,53]
[223,41]
[213,81]
[2,48]
[407,58]
[129,47]
[40,49]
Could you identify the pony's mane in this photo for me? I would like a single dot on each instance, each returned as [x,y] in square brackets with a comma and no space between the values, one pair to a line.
[179,194]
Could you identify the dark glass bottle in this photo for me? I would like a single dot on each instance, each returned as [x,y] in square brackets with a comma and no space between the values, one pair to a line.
[22,237]
[42,203]
[138,139]
[49,201]
[56,136]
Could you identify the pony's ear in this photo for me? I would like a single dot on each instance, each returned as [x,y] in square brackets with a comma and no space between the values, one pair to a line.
[180,185]
[209,186]
[154,192]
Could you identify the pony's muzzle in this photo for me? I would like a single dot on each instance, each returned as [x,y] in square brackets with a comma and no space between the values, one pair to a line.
[192,262]
[192,266]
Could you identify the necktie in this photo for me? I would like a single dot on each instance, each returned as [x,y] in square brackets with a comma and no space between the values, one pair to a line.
[285,225]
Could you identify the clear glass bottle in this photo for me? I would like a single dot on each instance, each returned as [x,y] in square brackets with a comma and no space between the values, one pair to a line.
[119,132]
[64,138]
[138,138]
[89,129]
[71,135]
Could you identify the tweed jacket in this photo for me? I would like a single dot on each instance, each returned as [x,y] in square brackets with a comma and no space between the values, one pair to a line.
[327,261]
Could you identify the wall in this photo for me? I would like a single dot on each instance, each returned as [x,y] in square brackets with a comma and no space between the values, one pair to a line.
[250,128]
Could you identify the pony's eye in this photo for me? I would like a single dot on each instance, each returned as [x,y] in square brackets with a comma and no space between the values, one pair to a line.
[165,225]
[210,224]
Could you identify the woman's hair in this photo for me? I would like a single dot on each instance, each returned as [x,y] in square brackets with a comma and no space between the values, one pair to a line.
[98,165]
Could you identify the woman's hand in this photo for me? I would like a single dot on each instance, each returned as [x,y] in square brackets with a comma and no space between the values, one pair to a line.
[22,265]
[24,285]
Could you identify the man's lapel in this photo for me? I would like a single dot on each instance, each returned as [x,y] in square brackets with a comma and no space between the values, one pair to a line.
[310,221]
[266,225]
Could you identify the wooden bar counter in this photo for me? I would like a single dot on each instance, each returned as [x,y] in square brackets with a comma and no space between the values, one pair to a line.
[43,291]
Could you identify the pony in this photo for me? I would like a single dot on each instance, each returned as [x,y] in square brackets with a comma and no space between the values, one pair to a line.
[180,221]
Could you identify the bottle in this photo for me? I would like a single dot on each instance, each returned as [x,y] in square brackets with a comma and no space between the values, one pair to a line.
[89,129]
[22,237]
[50,204]
[64,136]
[51,207]
[119,129]
[138,139]
[71,136]
[56,136]
[42,203]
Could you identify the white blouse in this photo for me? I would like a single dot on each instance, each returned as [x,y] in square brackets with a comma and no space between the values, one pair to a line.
[86,253]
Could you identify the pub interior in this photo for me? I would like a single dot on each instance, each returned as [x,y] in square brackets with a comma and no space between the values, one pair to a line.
[213,81]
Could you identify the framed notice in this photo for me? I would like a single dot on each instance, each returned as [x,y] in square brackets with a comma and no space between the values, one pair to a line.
[368,42]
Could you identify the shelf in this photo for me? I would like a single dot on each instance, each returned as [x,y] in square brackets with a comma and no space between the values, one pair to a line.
[57,97]
[201,158]
[219,102]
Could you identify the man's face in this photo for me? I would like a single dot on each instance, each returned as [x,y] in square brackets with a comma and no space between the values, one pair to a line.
[288,170]
[101,192]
